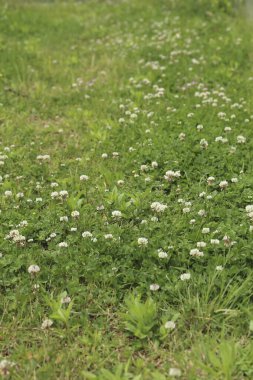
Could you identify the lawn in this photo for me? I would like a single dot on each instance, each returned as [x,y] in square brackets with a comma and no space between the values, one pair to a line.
[126,190]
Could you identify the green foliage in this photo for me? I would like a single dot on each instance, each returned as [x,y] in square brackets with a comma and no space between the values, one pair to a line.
[219,359]
[122,91]
[225,5]
[120,373]
[59,311]
[140,317]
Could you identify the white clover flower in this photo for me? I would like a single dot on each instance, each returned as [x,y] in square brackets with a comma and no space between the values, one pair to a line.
[223,184]
[186,210]
[104,155]
[54,184]
[203,143]
[154,219]
[170,175]
[185,276]
[66,300]
[75,214]
[201,244]
[234,180]
[221,139]
[64,219]
[43,158]
[87,234]
[144,168]
[205,230]
[20,239]
[20,195]
[154,287]
[199,127]
[16,237]
[219,268]
[120,182]
[84,177]
[196,252]
[241,139]
[192,221]
[162,254]
[158,207]
[144,221]
[8,193]
[202,213]
[33,269]
[222,115]
[12,234]
[46,324]
[38,200]
[147,179]
[202,195]
[64,194]
[142,241]
[249,209]
[210,180]
[63,244]
[215,241]
[5,366]
[116,214]
[181,136]
[154,164]
[23,223]
[226,240]
[170,325]
[115,154]
[108,236]
[73,229]
[100,208]
[53,235]
[175,372]
[54,195]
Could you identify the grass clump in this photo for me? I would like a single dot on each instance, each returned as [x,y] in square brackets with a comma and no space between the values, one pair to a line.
[126,190]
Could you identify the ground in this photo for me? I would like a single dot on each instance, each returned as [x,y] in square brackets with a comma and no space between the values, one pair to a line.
[126,190]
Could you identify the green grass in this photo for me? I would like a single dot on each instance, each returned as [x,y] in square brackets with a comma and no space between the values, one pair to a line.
[78,82]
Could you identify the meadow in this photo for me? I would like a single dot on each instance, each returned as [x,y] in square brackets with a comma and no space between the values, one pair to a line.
[126,190]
